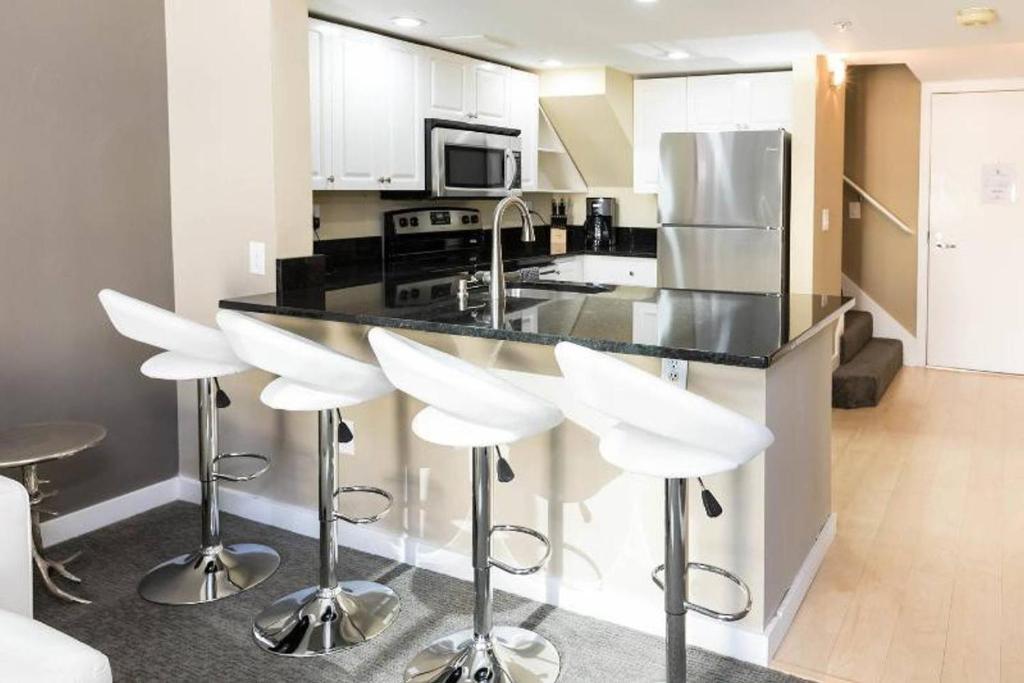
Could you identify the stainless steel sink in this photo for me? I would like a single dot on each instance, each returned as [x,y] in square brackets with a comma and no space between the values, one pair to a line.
[554,290]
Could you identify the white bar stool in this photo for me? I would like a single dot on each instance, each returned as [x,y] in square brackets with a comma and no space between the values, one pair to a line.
[200,353]
[333,614]
[472,408]
[665,431]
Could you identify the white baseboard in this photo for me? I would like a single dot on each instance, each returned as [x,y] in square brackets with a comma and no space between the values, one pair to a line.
[886,325]
[778,627]
[726,639]
[103,514]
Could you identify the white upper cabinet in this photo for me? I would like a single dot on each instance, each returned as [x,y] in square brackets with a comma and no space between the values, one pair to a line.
[464,89]
[659,106]
[448,98]
[712,103]
[366,109]
[489,93]
[319,106]
[757,101]
[523,103]
[770,101]
[402,78]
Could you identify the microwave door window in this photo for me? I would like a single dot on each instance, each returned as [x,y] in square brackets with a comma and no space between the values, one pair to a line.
[474,167]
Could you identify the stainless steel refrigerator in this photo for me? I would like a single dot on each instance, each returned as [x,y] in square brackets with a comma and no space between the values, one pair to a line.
[723,206]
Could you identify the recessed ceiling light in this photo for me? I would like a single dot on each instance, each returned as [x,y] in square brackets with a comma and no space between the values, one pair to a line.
[407,22]
[646,2]
[842,25]
[551,63]
[677,54]
[976,16]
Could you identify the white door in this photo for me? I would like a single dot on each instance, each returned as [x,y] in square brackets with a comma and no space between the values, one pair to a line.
[769,103]
[446,96]
[976,236]
[357,71]
[523,103]
[659,106]
[711,103]
[489,93]
[320,106]
[400,155]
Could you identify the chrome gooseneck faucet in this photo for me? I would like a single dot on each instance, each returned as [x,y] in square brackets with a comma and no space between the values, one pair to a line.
[497,267]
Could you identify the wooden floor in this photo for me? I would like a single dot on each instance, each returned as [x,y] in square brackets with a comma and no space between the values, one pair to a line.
[925,579]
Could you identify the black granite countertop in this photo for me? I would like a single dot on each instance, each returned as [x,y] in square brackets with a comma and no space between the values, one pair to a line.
[750,330]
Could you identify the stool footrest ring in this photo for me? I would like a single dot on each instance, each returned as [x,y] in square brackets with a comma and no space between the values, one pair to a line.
[522,571]
[220,476]
[707,611]
[365,489]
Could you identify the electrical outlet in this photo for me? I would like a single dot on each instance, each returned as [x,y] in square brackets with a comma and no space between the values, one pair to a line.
[825,219]
[350,447]
[855,210]
[674,371]
[258,258]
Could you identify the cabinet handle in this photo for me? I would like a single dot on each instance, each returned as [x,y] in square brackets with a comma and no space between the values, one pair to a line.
[330,179]
[388,180]
[631,273]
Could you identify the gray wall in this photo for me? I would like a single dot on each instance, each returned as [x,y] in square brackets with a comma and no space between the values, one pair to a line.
[84,204]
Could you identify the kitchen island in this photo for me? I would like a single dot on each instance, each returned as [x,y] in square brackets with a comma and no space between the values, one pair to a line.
[768,357]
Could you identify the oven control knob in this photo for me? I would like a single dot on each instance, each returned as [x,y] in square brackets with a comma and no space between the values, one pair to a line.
[415,294]
[403,295]
[474,218]
[403,222]
[465,218]
[414,221]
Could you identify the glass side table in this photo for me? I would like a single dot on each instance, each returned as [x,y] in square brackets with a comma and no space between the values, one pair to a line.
[28,446]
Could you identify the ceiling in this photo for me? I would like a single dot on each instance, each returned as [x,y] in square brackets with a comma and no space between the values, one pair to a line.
[726,35]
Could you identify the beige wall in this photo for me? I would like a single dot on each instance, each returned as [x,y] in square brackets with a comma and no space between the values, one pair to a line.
[84,205]
[238,123]
[817,178]
[883,127]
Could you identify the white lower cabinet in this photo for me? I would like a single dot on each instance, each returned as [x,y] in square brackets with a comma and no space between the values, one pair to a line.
[606,270]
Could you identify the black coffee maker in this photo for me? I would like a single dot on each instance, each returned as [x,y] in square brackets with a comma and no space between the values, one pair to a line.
[600,223]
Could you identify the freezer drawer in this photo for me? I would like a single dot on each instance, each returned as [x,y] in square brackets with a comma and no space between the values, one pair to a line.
[723,259]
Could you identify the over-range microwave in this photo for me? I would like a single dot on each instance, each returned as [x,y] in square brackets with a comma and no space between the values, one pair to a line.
[469,161]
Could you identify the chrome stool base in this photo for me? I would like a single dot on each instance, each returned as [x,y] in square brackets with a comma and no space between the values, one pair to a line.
[314,621]
[206,576]
[509,655]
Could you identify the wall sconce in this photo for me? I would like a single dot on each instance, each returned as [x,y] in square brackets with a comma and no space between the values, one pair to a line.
[837,70]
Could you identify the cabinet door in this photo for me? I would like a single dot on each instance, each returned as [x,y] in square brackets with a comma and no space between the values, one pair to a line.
[620,270]
[400,127]
[770,100]
[489,93]
[447,94]
[567,269]
[711,103]
[320,105]
[659,106]
[523,113]
[357,69]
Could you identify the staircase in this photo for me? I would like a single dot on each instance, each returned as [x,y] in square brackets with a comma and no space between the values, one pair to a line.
[867,364]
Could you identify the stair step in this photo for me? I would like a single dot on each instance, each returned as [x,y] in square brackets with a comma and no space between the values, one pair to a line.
[858,329]
[863,380]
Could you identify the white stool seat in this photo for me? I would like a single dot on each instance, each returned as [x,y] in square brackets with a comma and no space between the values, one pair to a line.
[467,405]
[32,651]
[193,351]
[663,430]
[311,376]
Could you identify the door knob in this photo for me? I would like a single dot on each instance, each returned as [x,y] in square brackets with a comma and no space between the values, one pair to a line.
[330,179]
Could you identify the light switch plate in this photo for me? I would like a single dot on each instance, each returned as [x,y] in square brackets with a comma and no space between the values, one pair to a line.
[258,258]
[826,219]
[855,210]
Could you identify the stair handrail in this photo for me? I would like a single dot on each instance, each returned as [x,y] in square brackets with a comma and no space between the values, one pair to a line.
[878,205]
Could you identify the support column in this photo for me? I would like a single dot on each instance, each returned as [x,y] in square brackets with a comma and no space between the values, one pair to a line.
[482,606]
[675,580]
[207,453]
[328,484]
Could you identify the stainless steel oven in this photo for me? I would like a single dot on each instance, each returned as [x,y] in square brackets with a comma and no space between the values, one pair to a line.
[466,160]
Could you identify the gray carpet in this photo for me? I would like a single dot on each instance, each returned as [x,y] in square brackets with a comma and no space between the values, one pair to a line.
[147,642]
